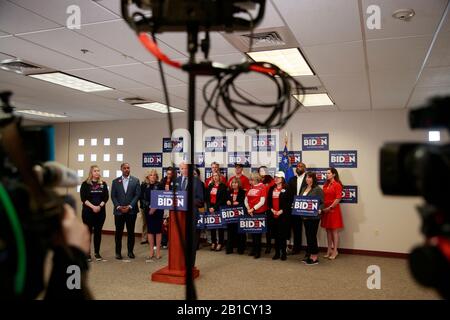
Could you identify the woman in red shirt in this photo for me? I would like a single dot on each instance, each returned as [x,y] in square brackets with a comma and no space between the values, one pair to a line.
[331,214]
[255,202]
[216,198]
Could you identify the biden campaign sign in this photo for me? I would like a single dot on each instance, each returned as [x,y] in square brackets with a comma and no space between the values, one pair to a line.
[349,194]
[305,206]
[314,142]
[175,145]
[231,214]
[215,144]
[255,224]
[239,157]
[344,159]
[164,171]
[223,172]
[201,221]
[321,174]
[213,221]
[161,199]
[294,157]
[199,159]
[151,159]
[264,143]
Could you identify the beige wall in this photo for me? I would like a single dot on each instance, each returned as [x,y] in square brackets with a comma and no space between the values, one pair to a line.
[376,223]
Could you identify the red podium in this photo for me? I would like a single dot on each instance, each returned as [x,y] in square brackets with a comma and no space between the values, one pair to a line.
[175,272]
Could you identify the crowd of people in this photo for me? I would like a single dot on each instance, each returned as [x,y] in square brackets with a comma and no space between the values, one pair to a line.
[260,194]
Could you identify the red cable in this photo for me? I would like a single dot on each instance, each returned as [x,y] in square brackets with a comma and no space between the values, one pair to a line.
[151,46]
[261,69]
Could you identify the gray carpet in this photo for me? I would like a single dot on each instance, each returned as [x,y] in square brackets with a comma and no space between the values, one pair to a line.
[236,277]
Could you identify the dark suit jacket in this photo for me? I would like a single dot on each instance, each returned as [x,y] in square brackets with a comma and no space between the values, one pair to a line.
[281,226]
[240,197]
[221,196]
[120,198]
[293,185]
[198,191]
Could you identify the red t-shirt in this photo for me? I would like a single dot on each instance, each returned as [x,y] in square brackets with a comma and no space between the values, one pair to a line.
[213,194]
[222,179]
[255,194]
[276,199]
[245,183]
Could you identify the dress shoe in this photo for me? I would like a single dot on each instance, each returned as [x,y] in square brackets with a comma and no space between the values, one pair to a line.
[283,257]
[219,247]
[131,255]
[251,253]
[267,251]
[241,251]
[118,256]
[144,242]
[213,247]
[276,257]
[257,255]
[332,257]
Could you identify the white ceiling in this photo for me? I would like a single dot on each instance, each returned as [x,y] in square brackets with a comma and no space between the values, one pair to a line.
[400,65]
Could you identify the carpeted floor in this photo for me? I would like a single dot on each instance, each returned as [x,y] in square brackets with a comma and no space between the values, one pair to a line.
[235,277]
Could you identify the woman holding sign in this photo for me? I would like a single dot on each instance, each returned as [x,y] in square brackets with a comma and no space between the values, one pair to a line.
[311,223]
[154,216]
[216,197]
[279,201]
[332,216]
[236,198]
[255,202]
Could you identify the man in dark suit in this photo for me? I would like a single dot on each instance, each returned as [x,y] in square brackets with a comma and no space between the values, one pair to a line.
[296,184]
[125,192]
[181,183]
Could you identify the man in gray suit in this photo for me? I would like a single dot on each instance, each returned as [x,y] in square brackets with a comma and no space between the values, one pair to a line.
[125,192]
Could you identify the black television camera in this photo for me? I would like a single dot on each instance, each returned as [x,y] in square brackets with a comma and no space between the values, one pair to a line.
[415,169]
[30,210]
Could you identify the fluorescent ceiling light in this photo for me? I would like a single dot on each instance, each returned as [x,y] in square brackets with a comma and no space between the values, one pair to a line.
[314,99]
[70,82]
[289,60]
[41,114]
[434,136]
[158,107]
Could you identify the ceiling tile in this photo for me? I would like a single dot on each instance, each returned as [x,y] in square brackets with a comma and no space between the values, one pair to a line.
[422,95]
[71,44]
[440,54]
[106,78]
[397,54]
[14,19]
[348,91]
[391,89]
[431,77]
[425,22]
[336,58]
[36,54]
[316,22]
[57,10]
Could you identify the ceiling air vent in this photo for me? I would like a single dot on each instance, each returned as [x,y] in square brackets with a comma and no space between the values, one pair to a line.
[264,39]
[23,67]
[133,100]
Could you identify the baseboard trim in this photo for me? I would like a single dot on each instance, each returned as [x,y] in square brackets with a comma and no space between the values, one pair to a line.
[384,254]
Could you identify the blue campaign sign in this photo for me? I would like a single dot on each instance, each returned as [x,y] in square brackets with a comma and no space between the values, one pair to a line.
[201,221]
[161,199]
[344,159]
[231,214]
[164,171]
[213,221]
[243,158]
[294,156]
[321,174]
[151,159]
[199,159]
[215,144]
[223,172]
[255,224]
[305,206]
[315,141]
[349,194]
[175,145]
[264,143]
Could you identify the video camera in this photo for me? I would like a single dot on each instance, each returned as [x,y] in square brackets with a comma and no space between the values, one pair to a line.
[30,211]
[417,169]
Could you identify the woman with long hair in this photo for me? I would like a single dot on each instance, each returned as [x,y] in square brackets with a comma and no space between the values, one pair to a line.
[216,197]
[331,214]
[236,198]
[94,196]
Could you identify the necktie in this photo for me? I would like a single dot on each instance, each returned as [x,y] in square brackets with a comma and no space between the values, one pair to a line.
[183,183]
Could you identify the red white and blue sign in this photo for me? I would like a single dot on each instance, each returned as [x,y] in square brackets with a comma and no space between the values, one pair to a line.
[231,214]
[255,224]
[151,160]
[264,143]
[349,194]
[215,144]
[213,221]
[199,160]
[200,221]
[305,206]
[294,157]
[344,159]
[239,157]
[321,174]
[172,145]
[223,172]
[161,199]
[315,142]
